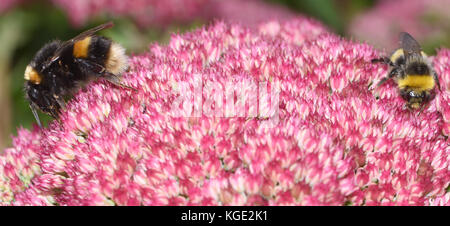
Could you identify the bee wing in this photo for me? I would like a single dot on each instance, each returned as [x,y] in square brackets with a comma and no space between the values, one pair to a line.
[79,37]
[410,46]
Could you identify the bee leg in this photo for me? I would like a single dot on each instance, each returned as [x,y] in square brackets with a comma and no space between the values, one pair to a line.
[61,102]
[91,66]
[422,108]
[36,116]
[436,79]
[377,96]
[114,79]
[382,81]
[101,72]
[384,60]
[392,73]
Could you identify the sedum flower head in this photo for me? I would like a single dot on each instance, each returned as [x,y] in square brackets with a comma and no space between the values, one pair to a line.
[335,140]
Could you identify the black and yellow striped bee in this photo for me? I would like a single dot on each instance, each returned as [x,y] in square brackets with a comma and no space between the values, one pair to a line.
[59,69]
[412,71]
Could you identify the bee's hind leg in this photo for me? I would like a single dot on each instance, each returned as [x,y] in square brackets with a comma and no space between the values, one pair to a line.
[103,73]
[61,102]
[392,73]
[114,79]
[382,81]
[387,61]
[384,60]
[422,108]
[436,79]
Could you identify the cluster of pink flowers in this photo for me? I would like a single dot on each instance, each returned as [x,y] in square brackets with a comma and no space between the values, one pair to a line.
[426,20]
[338,141]
[250,12]
[145,12]
[163,13]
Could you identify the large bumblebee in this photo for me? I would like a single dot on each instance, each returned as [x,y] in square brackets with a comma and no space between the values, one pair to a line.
[412,71]
[59,69]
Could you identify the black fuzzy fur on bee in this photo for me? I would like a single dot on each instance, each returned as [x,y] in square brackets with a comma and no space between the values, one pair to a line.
[413,73]
[59,69]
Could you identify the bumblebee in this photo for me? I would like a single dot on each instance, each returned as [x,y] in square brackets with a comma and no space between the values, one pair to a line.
[59,69]
[412,72]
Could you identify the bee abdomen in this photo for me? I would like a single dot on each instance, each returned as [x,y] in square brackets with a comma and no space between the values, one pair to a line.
[102,51]
[98,49]
[116,60]
[422,82]
[93,48]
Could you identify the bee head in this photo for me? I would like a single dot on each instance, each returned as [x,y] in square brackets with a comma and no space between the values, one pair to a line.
[415,98]
[41,99]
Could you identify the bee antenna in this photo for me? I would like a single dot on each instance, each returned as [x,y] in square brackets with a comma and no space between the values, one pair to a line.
[36,116]
[421,109]
[48,64]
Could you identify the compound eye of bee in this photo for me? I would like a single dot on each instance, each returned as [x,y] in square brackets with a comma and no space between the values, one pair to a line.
[412,94]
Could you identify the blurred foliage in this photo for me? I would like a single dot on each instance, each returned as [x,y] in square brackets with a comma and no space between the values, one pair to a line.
[334,13]
[437,41]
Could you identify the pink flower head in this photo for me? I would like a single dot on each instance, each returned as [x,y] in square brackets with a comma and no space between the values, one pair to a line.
[284,113]
[145,12]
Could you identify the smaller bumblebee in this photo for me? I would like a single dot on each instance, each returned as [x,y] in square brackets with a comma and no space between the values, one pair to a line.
[59,69]
[412,71]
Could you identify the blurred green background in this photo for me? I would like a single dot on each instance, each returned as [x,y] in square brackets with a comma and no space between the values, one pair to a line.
[26,27]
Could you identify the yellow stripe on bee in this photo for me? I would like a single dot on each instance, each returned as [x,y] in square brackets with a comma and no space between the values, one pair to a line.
[399,53]
[116,61]
[424,55]
[32,75]
[81,48]
[421,82]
